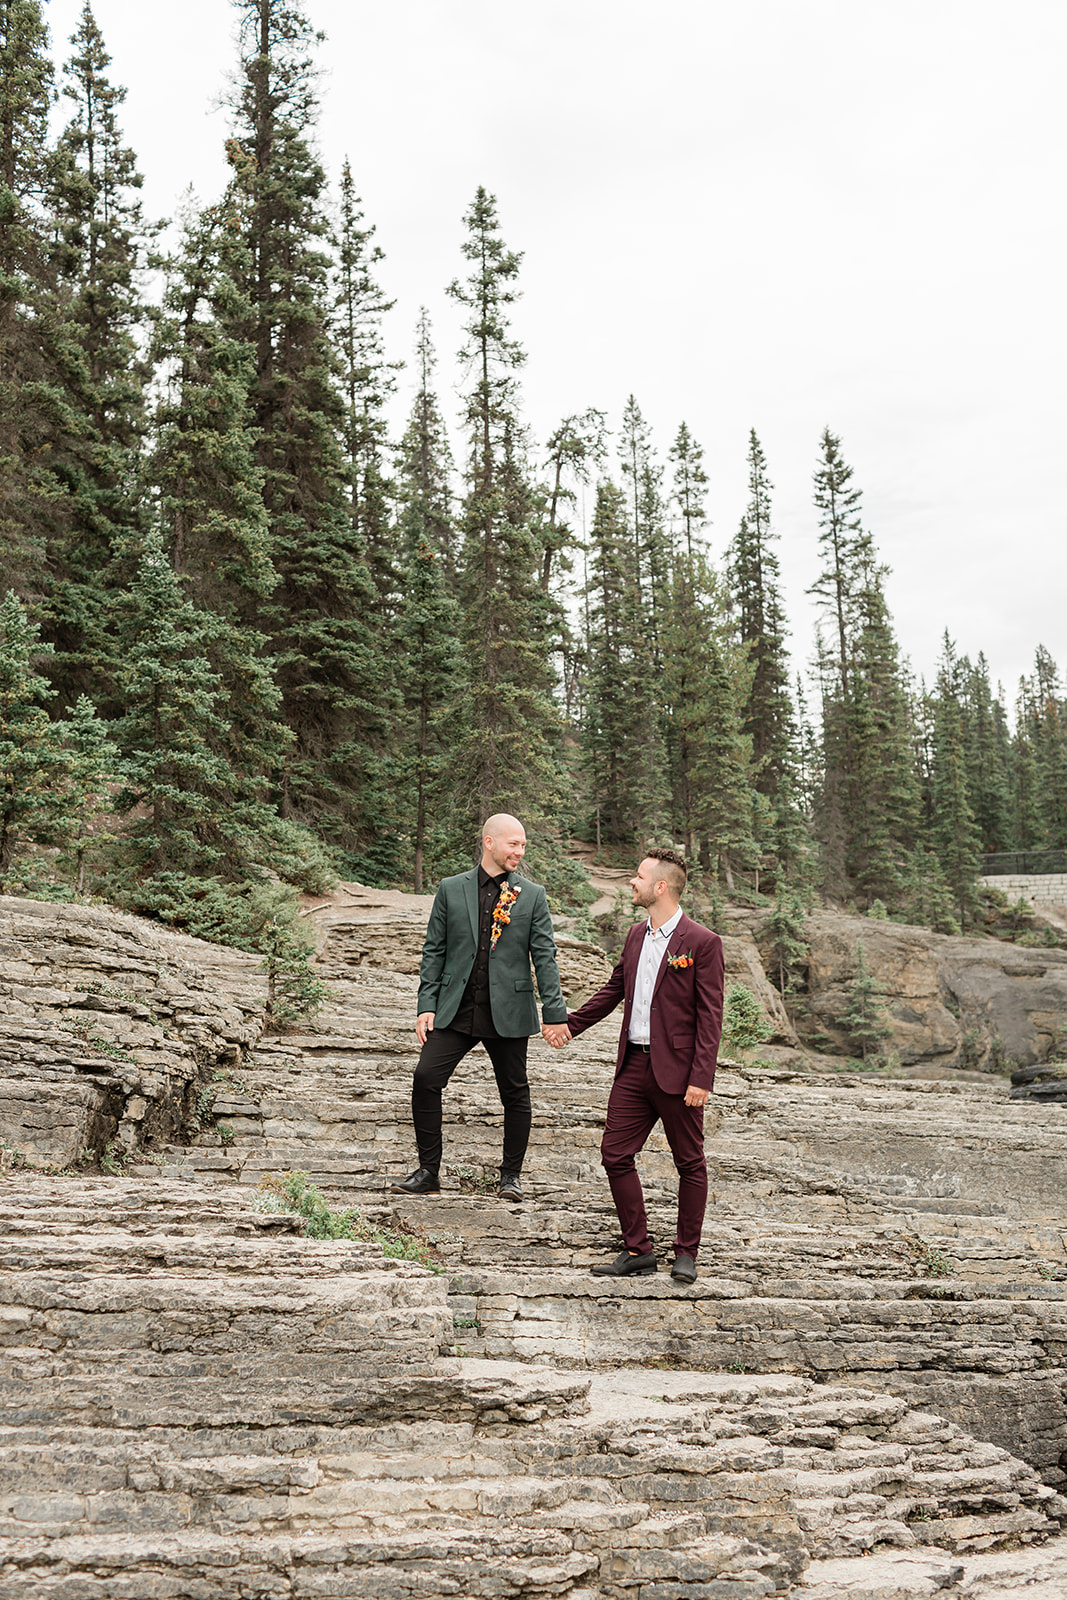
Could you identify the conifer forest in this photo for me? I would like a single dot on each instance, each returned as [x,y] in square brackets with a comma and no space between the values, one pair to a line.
[251,642]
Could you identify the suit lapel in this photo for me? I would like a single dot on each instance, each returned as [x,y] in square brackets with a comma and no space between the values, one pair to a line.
[470,895]
[674,945]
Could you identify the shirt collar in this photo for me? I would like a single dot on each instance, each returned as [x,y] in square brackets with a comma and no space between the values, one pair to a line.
[485,877]
[667,928]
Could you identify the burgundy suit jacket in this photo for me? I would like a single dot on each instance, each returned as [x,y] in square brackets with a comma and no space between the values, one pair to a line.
[686,1018]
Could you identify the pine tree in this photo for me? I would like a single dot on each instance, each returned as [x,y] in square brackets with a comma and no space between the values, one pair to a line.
[744,1023]
[336,700]
[866,1019]
[690,487]
[713,796]
[867,810]
[32,760]
[1050,739]
[35,342]
[99,248]
[955,835]
[91,779]
[426,465]
[753,572]
[987,755]
[208,484]
[574,449]
[510,756]
[427,636]
[432,676]
[615,719]
[368,380]
[197,816]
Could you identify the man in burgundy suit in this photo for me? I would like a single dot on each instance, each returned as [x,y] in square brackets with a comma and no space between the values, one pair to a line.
[671,980]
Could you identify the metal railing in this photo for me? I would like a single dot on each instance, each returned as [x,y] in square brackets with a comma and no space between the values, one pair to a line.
[1023,863]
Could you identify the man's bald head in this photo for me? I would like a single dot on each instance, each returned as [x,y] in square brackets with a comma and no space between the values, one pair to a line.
[503,844]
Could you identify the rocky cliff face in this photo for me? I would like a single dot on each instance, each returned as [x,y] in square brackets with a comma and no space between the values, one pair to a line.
[112,1030]
[953,1002]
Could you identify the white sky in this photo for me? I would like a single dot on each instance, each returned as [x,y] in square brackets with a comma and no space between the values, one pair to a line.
[777,214]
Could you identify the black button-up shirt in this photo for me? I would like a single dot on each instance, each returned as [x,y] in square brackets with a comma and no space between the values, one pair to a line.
[475,1015]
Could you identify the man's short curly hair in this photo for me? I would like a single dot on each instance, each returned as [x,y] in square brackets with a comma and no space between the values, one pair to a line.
[677,872]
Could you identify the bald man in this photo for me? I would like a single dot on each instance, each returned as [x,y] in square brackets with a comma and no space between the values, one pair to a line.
[475,987]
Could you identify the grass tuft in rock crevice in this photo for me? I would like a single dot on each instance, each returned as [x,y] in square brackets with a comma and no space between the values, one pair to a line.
[294,1192]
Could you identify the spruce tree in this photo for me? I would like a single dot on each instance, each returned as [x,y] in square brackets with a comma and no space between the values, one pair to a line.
[955,835]
[32,759]
[99,249]
[426,466]
[615,719]
[510,755]
[91,780]
[336,699]
[575,447]
[208,485]
[368,380]
[988,757]
[197,816]
[866,1019]
[690,483]
[35,342]
[427,639]
[713,795]
[753,572]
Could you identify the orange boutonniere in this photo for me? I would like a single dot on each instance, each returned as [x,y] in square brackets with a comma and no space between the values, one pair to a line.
[509,893]
[681,961]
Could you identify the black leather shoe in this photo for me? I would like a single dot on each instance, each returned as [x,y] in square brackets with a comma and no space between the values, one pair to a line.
[684,1269]
[627,1266]
[422,1181]
[510,1187]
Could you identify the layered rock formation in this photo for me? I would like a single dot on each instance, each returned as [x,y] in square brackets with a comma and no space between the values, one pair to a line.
[199,1401]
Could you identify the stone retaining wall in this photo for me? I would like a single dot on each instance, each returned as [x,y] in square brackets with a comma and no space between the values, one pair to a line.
[1045,888]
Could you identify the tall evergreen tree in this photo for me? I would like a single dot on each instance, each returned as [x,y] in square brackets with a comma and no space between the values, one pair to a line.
[35,342]
[32,760]
[955,834]
[690,483]
[754,577]
[988,756]
[212,522]
[426,466]
[100,245]
[368,380]
[333,690]
[196,801]
[615,721]
[510,757]
[714,801]
[427,635]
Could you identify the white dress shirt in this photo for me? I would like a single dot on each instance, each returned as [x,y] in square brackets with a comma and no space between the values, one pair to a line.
[648,964]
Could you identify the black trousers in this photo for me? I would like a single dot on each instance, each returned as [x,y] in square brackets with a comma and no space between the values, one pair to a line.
[441,1055]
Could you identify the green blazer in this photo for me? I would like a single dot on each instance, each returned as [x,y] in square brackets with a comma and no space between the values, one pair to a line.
[452,944]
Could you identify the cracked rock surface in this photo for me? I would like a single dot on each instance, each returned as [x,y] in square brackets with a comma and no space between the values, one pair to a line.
[862,1396]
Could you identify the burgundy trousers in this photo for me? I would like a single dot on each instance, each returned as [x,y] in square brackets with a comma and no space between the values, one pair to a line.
[635,1105]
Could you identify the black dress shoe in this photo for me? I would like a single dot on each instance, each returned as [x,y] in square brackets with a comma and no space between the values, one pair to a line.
[684,1269]
[510,1187]
[422,1181]
[627,1266]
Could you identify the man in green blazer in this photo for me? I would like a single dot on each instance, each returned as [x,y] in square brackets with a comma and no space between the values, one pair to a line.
[476,987]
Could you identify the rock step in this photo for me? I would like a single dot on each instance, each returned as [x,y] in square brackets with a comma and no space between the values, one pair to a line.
[430,1564]
[925,1573]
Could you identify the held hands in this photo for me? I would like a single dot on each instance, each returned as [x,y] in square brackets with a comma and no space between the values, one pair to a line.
[423,1025]
[696,1097]
[557,1033]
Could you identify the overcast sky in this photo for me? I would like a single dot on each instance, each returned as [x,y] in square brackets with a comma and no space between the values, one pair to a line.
[777,214]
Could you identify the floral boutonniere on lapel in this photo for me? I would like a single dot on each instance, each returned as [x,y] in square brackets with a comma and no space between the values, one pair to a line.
[680,961]
[509,893]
